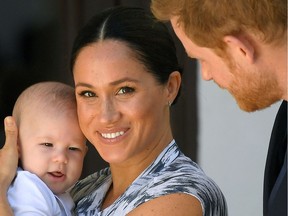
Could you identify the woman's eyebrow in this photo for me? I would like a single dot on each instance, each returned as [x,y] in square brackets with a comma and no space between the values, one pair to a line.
[125,79]
[83,85]
[114,83]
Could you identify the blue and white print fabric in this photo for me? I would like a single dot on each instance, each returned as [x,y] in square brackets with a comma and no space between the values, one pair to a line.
[172,172]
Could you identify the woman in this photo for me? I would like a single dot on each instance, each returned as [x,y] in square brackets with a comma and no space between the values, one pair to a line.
[126,78]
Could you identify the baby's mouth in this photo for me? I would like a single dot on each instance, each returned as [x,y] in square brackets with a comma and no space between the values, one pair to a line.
[56,174]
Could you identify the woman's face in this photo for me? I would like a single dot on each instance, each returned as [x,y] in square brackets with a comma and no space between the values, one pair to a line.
[122,109]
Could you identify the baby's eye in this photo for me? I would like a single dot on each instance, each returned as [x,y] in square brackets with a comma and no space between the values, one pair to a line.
[125,90]
[48,144]
[87,94]
[74,149]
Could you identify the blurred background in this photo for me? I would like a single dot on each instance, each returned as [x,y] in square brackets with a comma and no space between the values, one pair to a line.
[36,37]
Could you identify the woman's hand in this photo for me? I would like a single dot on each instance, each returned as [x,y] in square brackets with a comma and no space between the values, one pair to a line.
[8,155]
[8,164]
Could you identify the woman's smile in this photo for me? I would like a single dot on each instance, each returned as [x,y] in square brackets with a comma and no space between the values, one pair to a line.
[112,135]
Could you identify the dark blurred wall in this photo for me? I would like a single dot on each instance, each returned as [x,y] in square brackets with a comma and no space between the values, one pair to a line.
[36,37]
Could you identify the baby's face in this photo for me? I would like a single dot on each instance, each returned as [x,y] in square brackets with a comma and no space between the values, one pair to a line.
[53,147]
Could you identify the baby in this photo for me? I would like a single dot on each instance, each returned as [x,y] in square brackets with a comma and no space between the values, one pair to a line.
[51,148]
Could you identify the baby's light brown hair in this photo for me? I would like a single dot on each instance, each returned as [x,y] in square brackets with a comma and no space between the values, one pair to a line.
[45,96]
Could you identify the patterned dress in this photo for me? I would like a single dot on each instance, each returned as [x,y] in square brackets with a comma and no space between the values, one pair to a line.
[172,172]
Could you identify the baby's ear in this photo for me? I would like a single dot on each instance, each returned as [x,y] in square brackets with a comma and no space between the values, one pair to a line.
[240,47]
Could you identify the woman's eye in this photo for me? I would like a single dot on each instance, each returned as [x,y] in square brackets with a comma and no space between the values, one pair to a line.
[87,94]
[126,90]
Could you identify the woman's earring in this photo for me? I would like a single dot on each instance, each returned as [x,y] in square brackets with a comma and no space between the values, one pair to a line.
[169,103]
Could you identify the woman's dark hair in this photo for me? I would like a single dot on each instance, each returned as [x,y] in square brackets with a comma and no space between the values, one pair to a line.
[148,38]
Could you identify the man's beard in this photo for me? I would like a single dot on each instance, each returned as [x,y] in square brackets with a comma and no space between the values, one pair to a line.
[253,90]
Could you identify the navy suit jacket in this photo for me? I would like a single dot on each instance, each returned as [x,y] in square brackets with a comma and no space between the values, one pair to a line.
[275,178]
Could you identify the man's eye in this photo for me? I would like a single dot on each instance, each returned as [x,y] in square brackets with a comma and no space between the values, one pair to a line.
[126,90]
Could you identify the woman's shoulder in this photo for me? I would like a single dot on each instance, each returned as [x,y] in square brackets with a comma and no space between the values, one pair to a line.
[177,176]
[188,177]
[184,175]
[181,173]
[180,176]
[173,172]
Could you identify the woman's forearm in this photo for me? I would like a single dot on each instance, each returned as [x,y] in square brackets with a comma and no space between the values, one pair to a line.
[5,209]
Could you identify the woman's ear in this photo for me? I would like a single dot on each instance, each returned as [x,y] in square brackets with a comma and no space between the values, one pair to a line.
[173,85]
[240,47]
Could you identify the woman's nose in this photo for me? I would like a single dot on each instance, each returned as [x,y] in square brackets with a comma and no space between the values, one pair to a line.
[108,111]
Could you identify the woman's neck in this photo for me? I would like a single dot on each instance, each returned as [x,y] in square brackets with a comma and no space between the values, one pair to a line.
[124,174]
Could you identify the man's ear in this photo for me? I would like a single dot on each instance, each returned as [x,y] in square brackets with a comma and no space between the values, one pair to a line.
[240,47]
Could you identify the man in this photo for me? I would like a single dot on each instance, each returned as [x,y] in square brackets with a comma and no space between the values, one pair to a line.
[242,46]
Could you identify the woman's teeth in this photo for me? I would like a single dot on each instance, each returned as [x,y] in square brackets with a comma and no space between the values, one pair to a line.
[112,135]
